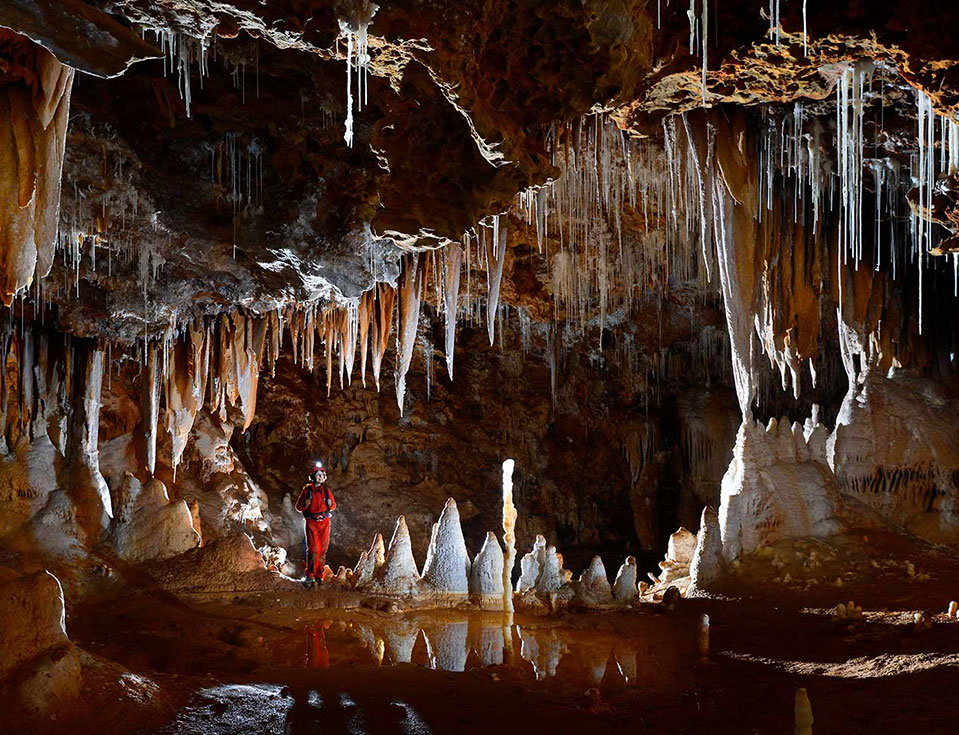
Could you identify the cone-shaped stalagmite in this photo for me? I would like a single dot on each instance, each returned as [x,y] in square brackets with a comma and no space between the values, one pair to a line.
[398,575]
[593,588]
[625,589]
[370,561]
[447,565]
[486,573]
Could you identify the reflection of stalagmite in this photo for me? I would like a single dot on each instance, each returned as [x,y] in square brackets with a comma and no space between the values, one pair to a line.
[486,573]
[400,638]
[543,649]
[595,657]
[625,659]
[447,565]
[398,575]
[34,112]
[625,589]
[370,561]
[592,587]
[487,641]
[803,711]
[447,646]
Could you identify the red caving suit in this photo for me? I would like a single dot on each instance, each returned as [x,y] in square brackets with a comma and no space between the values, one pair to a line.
[315,501]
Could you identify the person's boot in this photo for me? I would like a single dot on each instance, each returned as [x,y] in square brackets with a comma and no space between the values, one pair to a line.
[307,582]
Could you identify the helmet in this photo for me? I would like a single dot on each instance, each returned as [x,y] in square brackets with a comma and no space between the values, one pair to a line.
[316,471]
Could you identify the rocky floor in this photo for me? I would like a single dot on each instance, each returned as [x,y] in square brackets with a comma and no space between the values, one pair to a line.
[157,663]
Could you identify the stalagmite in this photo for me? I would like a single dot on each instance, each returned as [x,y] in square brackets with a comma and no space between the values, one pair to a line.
[553,577]
[952,610]
[369,563]
[398,575]
[531,565]
[486,573]
[706,566]
[624,588]
[803,711]
[447,565]
[410,291]
[509,534]
[592,587]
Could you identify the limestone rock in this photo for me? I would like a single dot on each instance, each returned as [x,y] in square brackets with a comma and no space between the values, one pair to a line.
[39,669]
[148,525]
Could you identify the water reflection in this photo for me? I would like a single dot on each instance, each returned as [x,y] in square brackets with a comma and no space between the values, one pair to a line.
[547,650]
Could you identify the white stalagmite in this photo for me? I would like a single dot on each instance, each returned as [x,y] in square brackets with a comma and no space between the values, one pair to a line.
[453,261]
[509,534]
[410,292]
[369,563]
[531,565]
[447,565]
[706,566]
[552,575]
[398,575]
[592,587]
[624,588]
[486,573]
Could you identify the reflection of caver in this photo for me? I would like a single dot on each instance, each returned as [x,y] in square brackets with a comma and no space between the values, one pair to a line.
[316,503]
[317,654]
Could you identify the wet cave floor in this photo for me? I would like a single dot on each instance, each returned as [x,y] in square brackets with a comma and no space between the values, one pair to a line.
[260,665]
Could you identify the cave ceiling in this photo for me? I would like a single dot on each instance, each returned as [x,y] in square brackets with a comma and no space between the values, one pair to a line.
[206,167]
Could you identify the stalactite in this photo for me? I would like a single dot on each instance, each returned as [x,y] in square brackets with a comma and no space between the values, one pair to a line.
[150,407]
[410,292]
[496,257]
[364,316]
[453,260]
[34,113]
[382,325]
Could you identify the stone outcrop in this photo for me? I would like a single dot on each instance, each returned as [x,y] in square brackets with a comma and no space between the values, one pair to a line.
[39,666]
